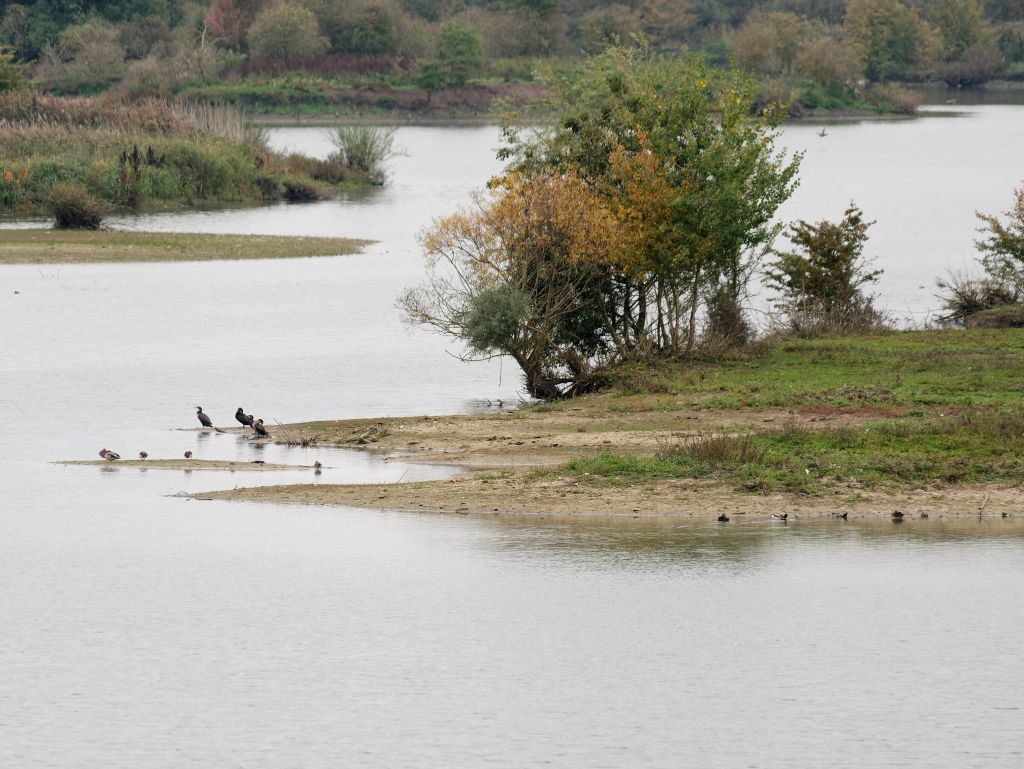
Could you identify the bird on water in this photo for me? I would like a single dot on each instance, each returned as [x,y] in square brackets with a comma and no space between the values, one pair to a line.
[243,418]
[723,518]
[109,455]
[260,429]
[204,420]
[783,517]
[143,455]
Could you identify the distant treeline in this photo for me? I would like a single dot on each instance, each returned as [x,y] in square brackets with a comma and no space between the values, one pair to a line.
[85,46]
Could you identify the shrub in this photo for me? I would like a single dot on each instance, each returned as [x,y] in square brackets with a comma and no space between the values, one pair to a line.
[74,208]
[1007,316]
[821,283]
[364,148]
[1003,248]
[968,296]
[299,191]
[727,325]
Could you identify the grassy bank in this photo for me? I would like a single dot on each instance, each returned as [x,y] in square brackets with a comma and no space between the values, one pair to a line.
[67,247]
[147,152]
[927,421]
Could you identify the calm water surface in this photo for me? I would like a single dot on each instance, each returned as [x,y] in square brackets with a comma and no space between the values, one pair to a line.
[142,630]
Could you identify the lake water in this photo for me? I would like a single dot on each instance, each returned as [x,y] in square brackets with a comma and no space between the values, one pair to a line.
[144,630]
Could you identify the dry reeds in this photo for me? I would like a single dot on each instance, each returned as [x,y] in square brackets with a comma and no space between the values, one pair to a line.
[28,114]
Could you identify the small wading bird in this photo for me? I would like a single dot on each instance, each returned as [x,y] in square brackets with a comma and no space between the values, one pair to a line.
[109,455]
[317,465]
[143,455]
[188,455]
[204,420]
[243,418]
[260,429]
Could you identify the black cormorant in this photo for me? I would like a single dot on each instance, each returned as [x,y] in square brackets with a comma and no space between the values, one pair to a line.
[204,420]
[245,419]
[260,429]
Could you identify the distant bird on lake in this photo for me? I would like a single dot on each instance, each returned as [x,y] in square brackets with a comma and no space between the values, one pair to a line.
[204,420]
[723,518]
[110,455]
[823,132]
[897,515]
[143,455]
[188,455]
[243,418]
[924,516]
[844,515]
[783,517]
[317,465]
[260,429]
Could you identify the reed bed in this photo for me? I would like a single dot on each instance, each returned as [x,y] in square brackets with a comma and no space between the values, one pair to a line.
[29,114]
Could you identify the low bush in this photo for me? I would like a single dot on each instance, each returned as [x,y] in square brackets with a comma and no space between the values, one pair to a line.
[299,191]
[74,208]
[364,149]
[1006,316]
[965,297]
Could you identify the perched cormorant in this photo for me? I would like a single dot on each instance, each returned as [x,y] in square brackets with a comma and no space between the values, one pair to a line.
[204,420]
[143,455]
[188,455]
[245,419]
[260,429]
[109,455]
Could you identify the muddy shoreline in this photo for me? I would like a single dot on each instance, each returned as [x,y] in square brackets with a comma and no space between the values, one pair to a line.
[512,465]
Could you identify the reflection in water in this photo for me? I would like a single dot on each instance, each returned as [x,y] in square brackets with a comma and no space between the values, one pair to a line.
[651,542]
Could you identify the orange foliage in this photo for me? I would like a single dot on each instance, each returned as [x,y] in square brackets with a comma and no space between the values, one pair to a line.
[540,222]
[643,199]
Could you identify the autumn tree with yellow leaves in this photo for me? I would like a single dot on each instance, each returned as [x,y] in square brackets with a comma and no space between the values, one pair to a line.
[612,229]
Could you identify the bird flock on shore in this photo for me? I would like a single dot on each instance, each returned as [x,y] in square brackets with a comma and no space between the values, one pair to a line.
[246,420]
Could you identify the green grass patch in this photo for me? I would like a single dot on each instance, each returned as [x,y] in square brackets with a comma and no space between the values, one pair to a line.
[898,370]
[975,447]
[67,247]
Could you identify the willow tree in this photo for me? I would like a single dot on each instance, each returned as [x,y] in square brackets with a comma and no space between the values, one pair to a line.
[640,126]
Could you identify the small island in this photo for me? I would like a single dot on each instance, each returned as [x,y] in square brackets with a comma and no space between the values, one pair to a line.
[95,246]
